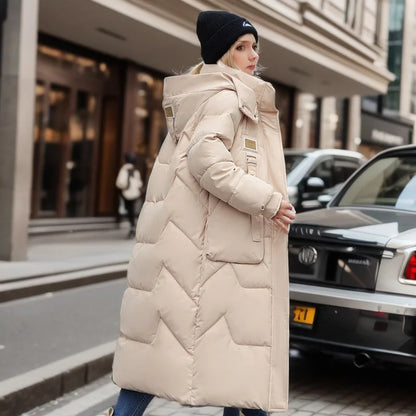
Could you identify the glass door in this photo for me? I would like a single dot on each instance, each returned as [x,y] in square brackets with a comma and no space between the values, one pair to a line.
[66,140]
[83,148]
[51,127]
[77,132]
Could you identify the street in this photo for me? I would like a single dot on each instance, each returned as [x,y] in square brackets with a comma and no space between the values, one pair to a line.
[39,330]
[318,386]
[54,325]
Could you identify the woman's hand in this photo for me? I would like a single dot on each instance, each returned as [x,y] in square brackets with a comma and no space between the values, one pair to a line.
[285,216]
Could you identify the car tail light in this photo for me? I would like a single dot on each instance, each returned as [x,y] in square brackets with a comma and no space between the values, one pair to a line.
[410,272]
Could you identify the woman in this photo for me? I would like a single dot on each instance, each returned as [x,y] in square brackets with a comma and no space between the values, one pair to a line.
[204,320]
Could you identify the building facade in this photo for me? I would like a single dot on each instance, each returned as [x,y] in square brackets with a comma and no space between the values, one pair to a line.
[389,120]
[82,83]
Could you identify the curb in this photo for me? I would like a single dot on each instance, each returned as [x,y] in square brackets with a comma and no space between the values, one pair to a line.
[38,285]
[26,391]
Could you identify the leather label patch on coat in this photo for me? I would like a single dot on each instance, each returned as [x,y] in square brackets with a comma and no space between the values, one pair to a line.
[169,112]
[250,144]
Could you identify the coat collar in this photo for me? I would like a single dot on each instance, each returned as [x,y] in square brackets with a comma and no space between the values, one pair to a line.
[253,93]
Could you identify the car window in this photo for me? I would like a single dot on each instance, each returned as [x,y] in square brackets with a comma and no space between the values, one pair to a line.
[343,169]
[324,171]
[292,161]
[390,181]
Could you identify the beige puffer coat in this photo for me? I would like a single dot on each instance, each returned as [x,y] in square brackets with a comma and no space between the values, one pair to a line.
[204,320]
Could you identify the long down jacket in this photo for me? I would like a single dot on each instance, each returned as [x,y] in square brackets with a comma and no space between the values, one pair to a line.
[204,320]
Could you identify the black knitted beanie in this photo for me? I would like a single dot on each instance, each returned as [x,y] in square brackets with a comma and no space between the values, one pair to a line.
[218,30]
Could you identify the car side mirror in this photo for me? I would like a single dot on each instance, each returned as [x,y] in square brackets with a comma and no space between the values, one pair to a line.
[324,199]
[315,184]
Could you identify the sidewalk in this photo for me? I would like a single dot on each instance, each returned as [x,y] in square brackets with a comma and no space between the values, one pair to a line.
[57,262]
[68,252]
[62,261]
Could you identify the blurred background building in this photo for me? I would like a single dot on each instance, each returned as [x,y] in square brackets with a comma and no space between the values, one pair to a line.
[82,82]
[388,120]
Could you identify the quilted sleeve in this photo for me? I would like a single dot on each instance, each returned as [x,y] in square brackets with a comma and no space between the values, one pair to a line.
[212,165]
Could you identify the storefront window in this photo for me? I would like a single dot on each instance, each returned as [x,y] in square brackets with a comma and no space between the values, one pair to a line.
[40,94]
[76,133]
[370,103]
[284,103]
[379,132]
[75,63]
[83,134]
[54,139]
[341,123]
[144,119]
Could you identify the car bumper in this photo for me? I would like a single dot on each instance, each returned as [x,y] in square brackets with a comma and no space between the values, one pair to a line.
[355,324]
[347,298]
[374,354]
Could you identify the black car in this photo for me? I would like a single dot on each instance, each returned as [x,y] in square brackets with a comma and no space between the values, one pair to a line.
[315,173]
[352,266]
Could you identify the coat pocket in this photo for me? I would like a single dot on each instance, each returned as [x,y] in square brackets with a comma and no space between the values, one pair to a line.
[233,236]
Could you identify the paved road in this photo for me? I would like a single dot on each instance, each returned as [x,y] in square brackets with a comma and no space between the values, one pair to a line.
[39,330]
[42,329]
[318,387]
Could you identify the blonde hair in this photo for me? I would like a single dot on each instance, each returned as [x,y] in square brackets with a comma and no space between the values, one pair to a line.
[196,69]
[227,59]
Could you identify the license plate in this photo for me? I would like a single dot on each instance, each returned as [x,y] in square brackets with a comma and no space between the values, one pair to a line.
[303,314]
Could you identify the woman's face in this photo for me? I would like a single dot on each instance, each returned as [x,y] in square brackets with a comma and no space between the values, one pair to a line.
[244,53]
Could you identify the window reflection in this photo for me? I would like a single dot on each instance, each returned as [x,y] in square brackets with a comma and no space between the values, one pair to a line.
[71,155]
[53,147]
[148,127]
[77,63]
[82,135]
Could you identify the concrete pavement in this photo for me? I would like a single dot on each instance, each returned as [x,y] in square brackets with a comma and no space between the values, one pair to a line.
[318,387]
[68,252]
[66,260]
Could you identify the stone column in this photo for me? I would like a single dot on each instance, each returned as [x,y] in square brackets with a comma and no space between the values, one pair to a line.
[383,27]
[329,120]
[17,87]
[354,123]
[305,104]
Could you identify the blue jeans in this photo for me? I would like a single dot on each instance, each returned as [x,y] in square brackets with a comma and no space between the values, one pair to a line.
[134,403]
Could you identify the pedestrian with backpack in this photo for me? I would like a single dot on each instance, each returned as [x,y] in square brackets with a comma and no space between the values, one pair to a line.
[130,183]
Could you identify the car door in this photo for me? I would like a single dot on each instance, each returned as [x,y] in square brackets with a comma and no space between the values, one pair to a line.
[333,172]
[310,191]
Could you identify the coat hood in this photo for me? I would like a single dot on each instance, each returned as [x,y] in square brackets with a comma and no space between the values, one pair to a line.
[184,93]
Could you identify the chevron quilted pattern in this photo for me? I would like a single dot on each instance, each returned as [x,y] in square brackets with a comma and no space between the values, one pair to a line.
[198,319]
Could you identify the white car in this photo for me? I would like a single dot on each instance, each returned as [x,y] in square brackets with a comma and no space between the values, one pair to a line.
[313,173]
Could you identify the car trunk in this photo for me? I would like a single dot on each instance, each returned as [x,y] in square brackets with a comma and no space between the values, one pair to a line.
[342,247]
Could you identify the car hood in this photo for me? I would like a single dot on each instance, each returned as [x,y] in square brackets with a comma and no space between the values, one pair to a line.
[381,227]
